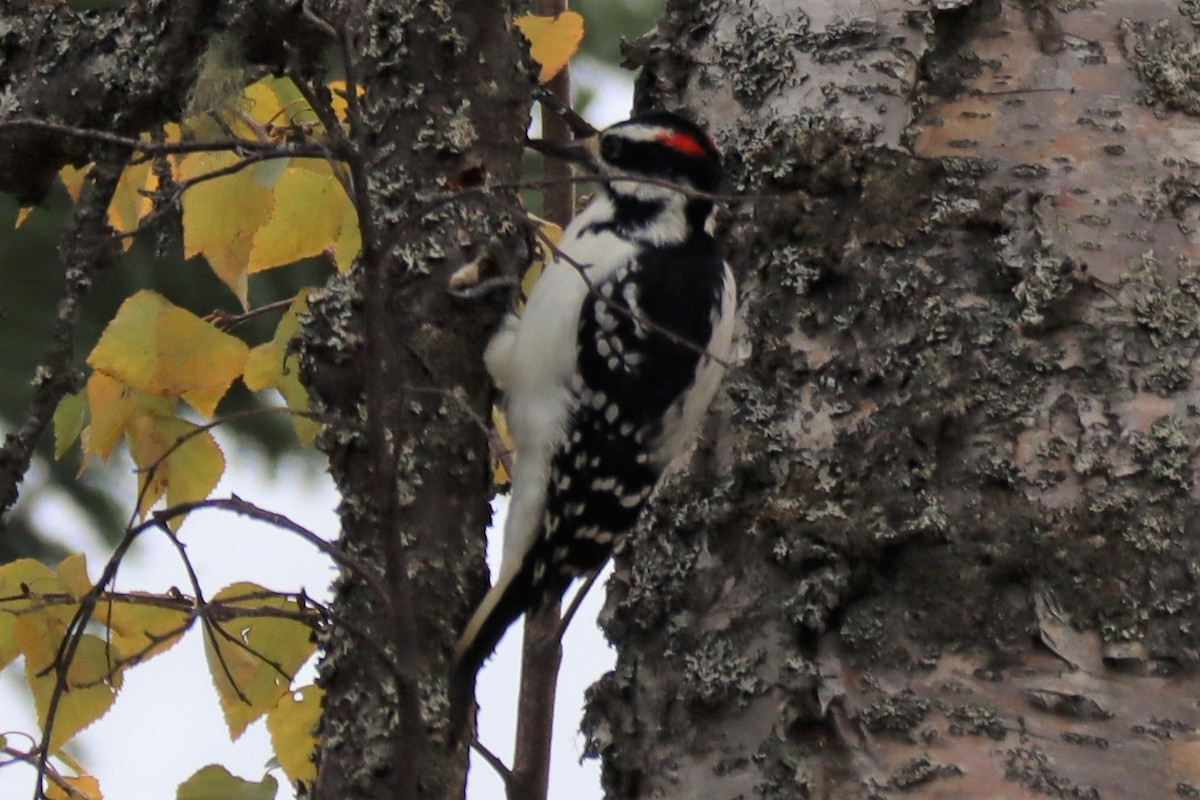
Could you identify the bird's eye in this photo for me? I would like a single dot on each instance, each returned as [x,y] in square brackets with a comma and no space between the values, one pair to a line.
[610,148]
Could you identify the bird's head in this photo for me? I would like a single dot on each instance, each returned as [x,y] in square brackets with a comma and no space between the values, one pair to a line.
[660,145]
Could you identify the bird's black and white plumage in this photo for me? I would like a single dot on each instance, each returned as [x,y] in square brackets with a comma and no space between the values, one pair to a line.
[604,384]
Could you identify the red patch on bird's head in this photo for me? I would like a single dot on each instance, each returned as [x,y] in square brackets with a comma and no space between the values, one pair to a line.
[686,143]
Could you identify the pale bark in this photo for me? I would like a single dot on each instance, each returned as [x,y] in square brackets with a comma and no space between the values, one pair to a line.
[941,541]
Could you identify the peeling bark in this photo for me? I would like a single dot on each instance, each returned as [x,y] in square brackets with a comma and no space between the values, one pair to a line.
[941,542]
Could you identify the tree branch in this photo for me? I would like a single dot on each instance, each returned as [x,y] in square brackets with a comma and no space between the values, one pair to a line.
[86,255]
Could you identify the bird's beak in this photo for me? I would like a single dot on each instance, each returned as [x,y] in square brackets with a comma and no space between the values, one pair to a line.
[584,151]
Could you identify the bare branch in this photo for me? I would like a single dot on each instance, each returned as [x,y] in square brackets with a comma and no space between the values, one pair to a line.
[271,149]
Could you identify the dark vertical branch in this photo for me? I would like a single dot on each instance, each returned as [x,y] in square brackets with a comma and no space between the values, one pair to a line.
[391,344]
[541,655]
[541,652]
[87,252]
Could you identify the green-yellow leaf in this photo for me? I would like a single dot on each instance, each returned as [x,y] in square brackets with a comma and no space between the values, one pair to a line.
[141,631]
[252,660]
[111,405]
[552,40]
[39,626]
[92,686]
[277,100]
[214,782]
[159,348]
[83,787]
[68,421]
[186,472]
[25,574]
[8,637]
[306,218]
[21,583]
[292,725]
[72,575]
[271,367]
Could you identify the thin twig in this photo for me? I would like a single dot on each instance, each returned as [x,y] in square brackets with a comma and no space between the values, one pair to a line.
[551,102]
[225,321]
[577,601]
[153,148]
[33,758]
[492,760]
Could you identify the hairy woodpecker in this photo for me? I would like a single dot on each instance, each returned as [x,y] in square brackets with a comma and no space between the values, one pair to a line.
[608,372]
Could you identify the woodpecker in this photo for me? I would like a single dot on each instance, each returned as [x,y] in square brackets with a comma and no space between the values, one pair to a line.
[620,350]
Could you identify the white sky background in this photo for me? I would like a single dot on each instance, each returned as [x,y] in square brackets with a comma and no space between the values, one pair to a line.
[167,723]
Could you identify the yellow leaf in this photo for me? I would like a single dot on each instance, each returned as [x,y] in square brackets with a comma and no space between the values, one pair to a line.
[73,178]
[229,263]
[112,404]
[252,660]
[22,214]
[500,476]
[156,347]
[552,40]
[91,687]
[349,241]
[214,782]
[72,574]
[276,100]
[186,472]
[68,421]
[21,582]
[128,204]
[293,725]
[141,631]
[271,367]
[545,253]
[220,215]
[306,219]
[339,103]
[84,787]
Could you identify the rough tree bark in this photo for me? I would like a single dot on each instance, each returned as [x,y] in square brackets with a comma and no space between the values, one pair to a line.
[942,541]
[446,105]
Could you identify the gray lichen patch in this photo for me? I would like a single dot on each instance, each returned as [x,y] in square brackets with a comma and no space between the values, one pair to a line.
[718,671]
[762,58]
[898,713]
[1167,62]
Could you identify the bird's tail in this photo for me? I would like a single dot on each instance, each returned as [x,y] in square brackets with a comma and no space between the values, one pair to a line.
[507,600]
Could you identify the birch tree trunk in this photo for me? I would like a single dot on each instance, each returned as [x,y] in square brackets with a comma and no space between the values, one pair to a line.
[942,540]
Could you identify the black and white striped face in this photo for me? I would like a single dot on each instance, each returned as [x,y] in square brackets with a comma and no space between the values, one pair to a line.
[662,145]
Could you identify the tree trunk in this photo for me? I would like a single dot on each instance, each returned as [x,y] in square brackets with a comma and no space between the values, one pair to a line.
[942,541]
[446,105]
